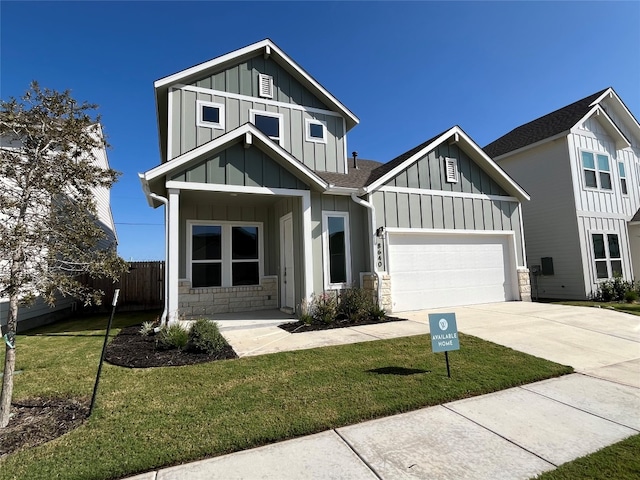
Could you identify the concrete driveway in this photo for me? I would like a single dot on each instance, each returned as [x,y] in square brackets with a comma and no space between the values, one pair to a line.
[596,341]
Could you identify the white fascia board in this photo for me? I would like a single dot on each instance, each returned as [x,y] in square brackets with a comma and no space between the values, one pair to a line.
[249,50]
[183,160]
[607,93]
[466,140]
[608,124]
[336,190]
[145,188]
[392,173]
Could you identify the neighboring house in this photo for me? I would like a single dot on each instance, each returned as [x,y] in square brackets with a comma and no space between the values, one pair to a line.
[581,165]
[264,208]
[40,312]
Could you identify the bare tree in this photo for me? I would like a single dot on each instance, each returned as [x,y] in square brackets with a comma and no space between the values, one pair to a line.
[49,233]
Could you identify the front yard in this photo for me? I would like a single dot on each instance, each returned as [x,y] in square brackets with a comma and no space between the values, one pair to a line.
[149,418]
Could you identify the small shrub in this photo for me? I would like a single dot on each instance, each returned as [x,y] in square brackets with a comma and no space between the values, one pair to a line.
[205,337]
[172,336]
[304,312]
[614,290]
[355,303]
[324,308]
[376,312]
[147,328]
[631,296]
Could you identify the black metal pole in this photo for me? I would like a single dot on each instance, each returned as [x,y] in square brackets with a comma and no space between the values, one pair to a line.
[446,356]
[104,349]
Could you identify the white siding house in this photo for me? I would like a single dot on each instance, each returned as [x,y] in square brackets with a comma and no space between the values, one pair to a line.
[581,166]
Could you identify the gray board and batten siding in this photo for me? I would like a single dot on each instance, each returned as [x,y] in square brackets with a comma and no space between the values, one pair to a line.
[415,210]
[239,166]
[236,89]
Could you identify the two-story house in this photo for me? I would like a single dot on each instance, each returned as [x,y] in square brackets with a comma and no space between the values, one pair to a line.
[581,165]
[264,207]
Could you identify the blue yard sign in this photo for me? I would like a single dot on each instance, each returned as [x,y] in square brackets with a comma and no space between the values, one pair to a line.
[444,332]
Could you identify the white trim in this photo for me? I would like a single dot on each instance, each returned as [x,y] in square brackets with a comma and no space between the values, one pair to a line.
[524,249]
[451,169]
[265,101]
[621,142]
[200,122]
[325,250]
[174,255]
[247,52]
[226,249]
[169,119]
[441,193]
[344,141]
[465,140]
[605,239]
[307,247]
[307,130]
[181,161]
[215,187]
[280,138]
[597,170]
[603,215]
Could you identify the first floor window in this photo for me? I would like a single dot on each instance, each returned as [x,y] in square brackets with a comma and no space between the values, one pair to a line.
[225,255]
[606,252]
[337,264]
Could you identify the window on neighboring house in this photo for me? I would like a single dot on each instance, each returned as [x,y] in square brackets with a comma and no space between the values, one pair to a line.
[337,255]
[210,114]
[597,173]
[315,131]
[225,255]
[606,252]
[265,83]
[623,179]
[268,123]
[451,167]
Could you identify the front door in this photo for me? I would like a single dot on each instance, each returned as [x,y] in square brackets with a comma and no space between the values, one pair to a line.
[287,281]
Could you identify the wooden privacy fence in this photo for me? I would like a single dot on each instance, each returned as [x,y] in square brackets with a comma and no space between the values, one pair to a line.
[141,288]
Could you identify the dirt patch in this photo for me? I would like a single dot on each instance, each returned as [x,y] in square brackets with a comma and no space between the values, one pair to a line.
[38,420]
[131,349]
[301,327]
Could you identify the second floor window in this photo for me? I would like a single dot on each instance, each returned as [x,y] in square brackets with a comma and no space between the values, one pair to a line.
[597,173]
[623,179]
[268,123]
[210,115]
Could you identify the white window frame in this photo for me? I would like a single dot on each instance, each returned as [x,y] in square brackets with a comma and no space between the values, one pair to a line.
[279,139]
[597,171]
[325,250]
[622,173]
[265,80]
[451,170]
[203,123]
[307,130]
[608,259]
[226,260]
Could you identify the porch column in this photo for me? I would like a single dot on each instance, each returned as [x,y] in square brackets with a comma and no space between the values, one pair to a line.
[306,243]
[172,266]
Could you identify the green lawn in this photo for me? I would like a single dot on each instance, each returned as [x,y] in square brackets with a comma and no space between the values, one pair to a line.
[633,308]
[150,418]
[620,461]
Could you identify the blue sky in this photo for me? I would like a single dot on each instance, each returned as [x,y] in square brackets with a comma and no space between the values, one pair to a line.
[408,70]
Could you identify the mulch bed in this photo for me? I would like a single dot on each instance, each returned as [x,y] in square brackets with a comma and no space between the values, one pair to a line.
[301,327]
[131,349]
[38,420]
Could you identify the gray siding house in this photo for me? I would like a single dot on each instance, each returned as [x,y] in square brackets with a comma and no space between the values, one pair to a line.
[264,208]
[581,165]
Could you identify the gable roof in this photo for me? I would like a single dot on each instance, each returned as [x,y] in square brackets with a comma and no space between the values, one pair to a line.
[265,47]
[636,217]
[560,122]
[153,180]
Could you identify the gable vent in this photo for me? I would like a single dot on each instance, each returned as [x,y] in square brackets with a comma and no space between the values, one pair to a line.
[266,85]
[451,165]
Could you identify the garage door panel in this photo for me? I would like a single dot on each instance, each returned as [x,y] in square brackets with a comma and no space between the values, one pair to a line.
[429,271]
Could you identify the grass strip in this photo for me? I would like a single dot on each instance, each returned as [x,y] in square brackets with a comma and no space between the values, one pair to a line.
[151,418]
[633,308]
[620,461]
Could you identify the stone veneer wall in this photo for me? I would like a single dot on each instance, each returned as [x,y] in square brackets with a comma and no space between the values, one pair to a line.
[370,283]
[524,284]
[212,300]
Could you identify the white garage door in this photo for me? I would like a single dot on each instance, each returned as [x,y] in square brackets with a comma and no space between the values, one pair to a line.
[431,271]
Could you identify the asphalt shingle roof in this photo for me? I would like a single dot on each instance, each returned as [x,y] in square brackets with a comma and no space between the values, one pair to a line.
[541,128]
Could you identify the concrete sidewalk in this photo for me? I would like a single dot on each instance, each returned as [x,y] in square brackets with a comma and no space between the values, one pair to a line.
[513,434]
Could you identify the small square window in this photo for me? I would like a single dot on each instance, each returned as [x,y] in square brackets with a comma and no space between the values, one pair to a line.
[210,115]
[268,123]
[315,131]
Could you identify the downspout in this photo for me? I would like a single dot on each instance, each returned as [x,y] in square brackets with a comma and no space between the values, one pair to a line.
[372,228]
[165,201]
